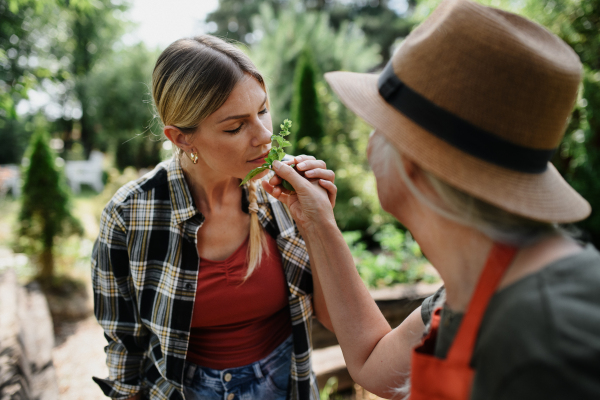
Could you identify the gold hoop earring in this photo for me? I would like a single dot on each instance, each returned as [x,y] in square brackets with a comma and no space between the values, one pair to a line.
[194,157]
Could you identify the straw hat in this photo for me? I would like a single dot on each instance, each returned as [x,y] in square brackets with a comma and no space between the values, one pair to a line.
[480,98]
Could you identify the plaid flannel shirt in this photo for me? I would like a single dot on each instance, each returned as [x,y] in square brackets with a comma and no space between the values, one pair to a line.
[144,274]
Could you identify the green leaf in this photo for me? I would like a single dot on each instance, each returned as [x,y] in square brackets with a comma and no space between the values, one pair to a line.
[276,152]
[288,186]
[253,173]
[270,158]
[280,154]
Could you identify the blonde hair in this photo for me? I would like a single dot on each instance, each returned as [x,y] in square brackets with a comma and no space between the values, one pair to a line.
[192,79]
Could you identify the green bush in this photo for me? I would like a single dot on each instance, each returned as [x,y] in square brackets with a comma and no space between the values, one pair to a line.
[306,107]
[398,261]
[45,206]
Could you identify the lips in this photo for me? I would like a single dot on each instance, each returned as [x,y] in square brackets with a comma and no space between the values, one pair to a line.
[261,157]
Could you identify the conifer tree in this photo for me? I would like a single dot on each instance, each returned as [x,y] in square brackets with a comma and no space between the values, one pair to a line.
[45,205]
[306,107]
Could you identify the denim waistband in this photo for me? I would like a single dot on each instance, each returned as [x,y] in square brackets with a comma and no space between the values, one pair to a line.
[220,378]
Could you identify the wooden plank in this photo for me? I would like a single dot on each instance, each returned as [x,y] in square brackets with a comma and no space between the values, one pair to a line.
[396,303]
[329,362]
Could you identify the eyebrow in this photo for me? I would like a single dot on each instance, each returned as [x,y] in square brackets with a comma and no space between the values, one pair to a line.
[240,116]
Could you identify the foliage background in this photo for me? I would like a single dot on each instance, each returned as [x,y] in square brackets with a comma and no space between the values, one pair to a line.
[73,52]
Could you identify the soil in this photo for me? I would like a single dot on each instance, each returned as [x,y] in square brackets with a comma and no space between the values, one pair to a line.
[79,355]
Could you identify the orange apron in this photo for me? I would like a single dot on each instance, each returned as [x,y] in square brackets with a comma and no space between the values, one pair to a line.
[452,378]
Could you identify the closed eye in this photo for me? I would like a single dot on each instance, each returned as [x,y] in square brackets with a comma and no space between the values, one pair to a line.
[236,130]
[264,111]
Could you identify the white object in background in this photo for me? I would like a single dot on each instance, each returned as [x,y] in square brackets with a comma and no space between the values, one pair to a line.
[10,179]
[85,172]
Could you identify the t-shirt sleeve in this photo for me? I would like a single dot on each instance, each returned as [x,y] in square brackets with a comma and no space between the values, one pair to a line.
[429,303]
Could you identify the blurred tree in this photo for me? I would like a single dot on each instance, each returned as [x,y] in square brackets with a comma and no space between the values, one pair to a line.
[51,46]
[18,73]
[344,143]
[285,36]
[45,205]
[306,107]
[381,24]
[22,67]
[123,107]
[95,27]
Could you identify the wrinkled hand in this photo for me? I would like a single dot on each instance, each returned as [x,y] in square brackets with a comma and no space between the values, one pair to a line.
[312,169]
[314,196]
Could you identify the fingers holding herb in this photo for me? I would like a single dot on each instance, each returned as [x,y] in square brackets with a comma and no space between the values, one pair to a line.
[311,164]
[320,173]
[331,190]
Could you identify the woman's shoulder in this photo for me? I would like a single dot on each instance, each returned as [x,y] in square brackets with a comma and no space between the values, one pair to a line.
[548,320]
[556,291]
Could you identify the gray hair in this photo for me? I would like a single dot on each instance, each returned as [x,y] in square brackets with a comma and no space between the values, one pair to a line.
[458,206]
[463,208]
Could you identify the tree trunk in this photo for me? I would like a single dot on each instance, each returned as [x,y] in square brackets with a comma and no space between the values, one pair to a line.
[87,124]
[47,260]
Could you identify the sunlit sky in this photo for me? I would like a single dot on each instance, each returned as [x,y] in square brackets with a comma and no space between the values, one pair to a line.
[161,22]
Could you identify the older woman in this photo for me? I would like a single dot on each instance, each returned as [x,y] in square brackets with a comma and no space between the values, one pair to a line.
[467,115]
[203,287]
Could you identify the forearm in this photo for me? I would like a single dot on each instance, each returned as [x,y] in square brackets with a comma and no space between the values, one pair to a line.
[319,304]
[356,319]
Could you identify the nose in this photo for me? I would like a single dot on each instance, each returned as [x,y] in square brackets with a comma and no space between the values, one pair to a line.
[261,135]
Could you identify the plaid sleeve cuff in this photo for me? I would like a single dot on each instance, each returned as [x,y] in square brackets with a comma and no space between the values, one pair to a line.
[116,389]
[429,303]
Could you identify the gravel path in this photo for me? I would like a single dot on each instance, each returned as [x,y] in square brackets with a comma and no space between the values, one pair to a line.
[79,355]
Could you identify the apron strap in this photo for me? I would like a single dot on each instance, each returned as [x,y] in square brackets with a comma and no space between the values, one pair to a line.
[499,259]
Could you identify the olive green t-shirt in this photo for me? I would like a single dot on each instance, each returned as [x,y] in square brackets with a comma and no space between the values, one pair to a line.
[540,336]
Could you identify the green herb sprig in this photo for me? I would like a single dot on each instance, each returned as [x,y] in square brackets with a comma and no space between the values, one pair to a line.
[278,142]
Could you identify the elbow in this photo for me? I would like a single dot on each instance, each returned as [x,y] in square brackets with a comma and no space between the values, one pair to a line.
[390,391]
[322,315]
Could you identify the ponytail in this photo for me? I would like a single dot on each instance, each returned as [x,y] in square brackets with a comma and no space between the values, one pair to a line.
[258,241]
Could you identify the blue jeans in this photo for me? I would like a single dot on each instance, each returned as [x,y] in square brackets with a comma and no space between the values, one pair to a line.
[266,379]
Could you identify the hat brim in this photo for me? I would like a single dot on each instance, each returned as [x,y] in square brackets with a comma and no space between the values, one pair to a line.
[543,197]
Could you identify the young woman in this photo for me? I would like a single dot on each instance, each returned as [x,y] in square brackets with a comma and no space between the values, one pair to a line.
[203,287]
[467,115]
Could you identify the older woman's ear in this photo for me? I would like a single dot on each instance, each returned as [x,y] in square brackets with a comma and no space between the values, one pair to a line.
[413,171]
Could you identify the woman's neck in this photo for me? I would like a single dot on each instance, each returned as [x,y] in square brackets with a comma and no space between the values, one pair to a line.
[459,254]
[211,191]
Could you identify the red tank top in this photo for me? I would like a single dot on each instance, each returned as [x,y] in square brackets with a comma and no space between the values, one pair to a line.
[234,323]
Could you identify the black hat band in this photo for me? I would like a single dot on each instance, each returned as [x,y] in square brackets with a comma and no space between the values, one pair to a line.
[458,132]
